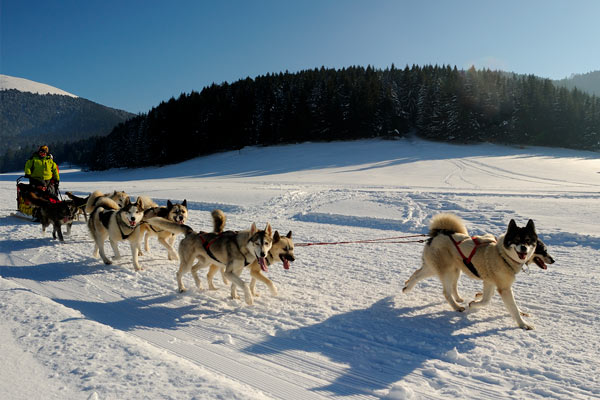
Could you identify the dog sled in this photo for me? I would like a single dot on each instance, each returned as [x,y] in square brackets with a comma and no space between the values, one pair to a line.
[25,207]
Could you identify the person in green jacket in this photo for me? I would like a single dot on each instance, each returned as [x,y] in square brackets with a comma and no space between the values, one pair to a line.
[42,170]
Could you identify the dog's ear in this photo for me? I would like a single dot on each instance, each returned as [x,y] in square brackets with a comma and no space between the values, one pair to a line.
[530,225]
[512,225]
[184,203]
[139,203]
[268,229]
[289,235]
[253,229]
[127,201]
[276,237]
[169,204]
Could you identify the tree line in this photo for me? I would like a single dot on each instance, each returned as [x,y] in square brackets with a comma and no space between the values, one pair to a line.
[434,102]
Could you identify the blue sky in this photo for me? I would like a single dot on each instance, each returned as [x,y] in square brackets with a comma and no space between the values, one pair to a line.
[134,54]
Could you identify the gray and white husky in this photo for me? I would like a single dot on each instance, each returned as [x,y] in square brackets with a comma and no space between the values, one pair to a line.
[230,250]
[109,221]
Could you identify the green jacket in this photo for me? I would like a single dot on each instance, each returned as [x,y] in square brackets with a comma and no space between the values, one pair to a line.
[41,168]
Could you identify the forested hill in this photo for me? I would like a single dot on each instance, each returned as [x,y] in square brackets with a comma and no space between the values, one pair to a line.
[61,121]
[589,83]
[438,103]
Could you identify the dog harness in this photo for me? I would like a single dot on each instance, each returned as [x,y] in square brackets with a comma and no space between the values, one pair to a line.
[467,260]
[207,243]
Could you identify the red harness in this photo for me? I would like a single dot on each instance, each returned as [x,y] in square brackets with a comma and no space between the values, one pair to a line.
[467,260]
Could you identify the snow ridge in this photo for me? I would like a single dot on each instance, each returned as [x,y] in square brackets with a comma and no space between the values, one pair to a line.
[25,85]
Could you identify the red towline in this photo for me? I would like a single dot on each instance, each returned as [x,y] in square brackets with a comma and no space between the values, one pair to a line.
[380,240]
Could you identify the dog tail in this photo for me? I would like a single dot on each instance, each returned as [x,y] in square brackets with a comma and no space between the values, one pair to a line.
[97,199]
[147,202]
[446,222]
[219,219]
[170,226]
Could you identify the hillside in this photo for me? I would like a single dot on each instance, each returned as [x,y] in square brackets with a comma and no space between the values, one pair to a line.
[436,103]
[589,83]
[25,117]
[32,113]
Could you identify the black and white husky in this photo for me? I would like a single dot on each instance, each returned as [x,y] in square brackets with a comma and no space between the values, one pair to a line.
[109,221]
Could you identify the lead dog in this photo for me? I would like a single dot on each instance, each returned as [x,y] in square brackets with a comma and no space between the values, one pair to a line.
[230,250]
[109,221]
[496,263]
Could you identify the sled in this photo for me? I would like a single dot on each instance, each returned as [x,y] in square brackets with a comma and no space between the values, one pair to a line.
[25,209]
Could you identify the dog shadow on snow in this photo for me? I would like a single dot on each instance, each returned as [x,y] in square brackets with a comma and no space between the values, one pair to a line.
[146,312]
[378,346]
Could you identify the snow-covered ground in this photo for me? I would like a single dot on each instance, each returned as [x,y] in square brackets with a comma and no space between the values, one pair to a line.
[74,328]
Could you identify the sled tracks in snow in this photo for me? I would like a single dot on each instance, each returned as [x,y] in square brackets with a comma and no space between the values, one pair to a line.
[266,365]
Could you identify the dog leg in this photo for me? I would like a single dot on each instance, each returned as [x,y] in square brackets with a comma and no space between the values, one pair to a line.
[511,306]
[115,248]
[424,272]
[69,228]
[448,282]
[210,275]
[231,275]
[455,293]
[172,254]
[488,292]
[147,241]
[197,280]
[185,265]
[100,249]
[135,248]
[257,275]
[58,231]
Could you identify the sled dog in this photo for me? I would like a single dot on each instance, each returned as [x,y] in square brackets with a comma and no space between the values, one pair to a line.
[57,214]
[450,251]
[109,221]
[80,203]
[230,250]
[282,250]
[96,197]
[175,212]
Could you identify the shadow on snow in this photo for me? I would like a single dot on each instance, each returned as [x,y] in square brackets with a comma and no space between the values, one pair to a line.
[379,345]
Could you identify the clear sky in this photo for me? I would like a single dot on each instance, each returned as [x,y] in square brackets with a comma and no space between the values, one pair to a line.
[133,54]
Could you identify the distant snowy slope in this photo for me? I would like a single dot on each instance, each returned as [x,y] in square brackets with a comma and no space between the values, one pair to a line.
[25,85]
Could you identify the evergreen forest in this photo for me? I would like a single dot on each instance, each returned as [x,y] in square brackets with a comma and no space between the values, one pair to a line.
[438,103]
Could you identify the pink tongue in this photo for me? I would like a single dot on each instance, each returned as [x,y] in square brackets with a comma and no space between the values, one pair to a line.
[263,265]
[286,264]
[132,223]
[522,255]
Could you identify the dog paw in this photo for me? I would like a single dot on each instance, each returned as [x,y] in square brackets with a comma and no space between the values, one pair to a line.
[107,262]
[182,290]
[460,309]
[405,289]
[478,294]
[526,327]
[459,299]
